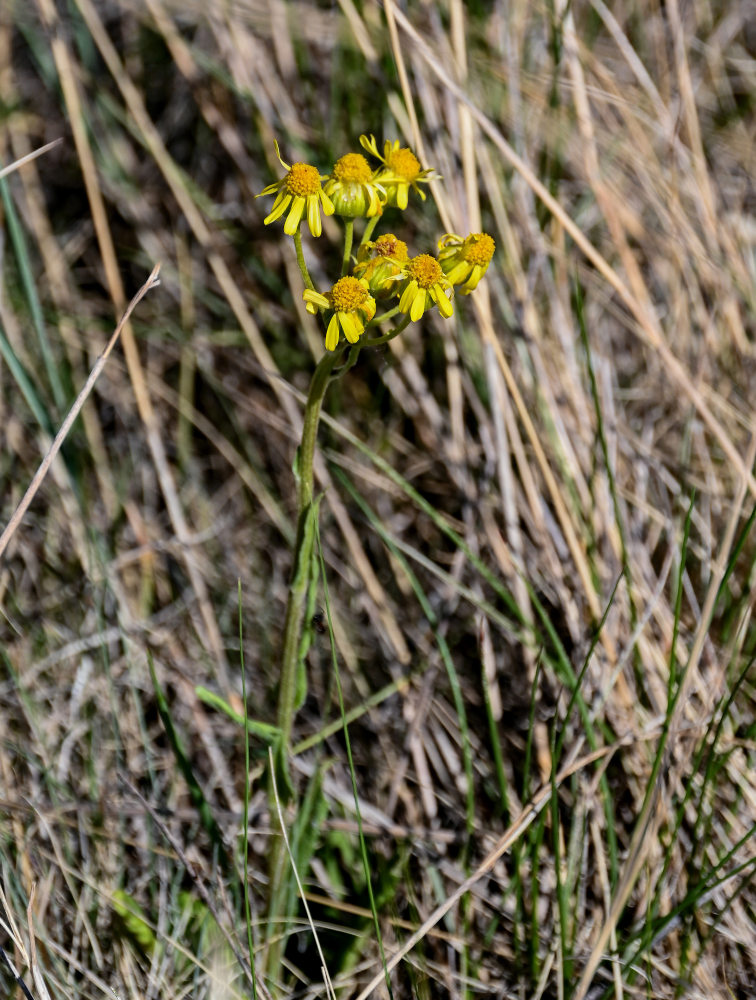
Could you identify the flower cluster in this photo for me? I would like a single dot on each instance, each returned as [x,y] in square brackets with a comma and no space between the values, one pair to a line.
[382,269]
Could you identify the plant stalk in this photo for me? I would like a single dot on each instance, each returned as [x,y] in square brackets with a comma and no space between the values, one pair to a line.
[348,237]
[303,548]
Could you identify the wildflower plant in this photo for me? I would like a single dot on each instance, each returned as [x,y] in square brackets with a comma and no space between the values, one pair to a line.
[381,270]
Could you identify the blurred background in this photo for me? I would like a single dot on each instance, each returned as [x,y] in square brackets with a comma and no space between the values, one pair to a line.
[537,515]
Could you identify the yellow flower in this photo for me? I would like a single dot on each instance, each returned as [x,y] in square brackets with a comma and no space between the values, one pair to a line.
[353,189]
[380,263]
[465,261]
[401,170]
[425,284]
[298,191]
[352,305]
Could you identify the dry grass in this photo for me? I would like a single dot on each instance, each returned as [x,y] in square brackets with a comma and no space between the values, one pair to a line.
[585,426]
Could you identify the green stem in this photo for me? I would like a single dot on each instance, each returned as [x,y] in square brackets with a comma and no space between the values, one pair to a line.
[278,907]
[377,341]
[377,320]
[351,361]
[318,386]
[307,527]
[303,548]
[348,237]
[301,260]
[369,230]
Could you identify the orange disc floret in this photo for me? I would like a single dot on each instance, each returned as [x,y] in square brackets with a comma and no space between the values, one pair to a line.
[425,270]
[348,294]
[479,249]
[303,180]
[403,162]
[389,245]
[352,168]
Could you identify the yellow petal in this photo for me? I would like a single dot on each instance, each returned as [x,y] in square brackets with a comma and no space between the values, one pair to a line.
[295,216]
[270,189]
[279,207]
[408,297]
[332,334]
[328,207]
[311,296]
[458,273]
[472,282]
[402,196]
[370,145]
[313,215]
[278,154]
[444,305]
[418,306]
[351,326]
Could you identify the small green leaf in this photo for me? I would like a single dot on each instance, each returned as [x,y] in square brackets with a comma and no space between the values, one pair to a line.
[296,465]
[263,730]
[134,919]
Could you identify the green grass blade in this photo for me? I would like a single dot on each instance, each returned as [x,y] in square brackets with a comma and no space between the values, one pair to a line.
[30,292]
[350,760]
[245,835]
[199,801]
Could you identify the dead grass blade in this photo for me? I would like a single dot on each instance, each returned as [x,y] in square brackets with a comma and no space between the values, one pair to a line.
[73,413]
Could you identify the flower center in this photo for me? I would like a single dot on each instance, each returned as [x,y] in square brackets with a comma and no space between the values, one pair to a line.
[302,180]
[404,163]
[348,294]
[352,168]
[389,246]
[479,249]
[425,270]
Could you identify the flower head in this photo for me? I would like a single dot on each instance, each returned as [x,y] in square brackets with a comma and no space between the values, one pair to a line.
[353,189]
[297,192]
[352,305]
[401,170]
[425,284]
[464,261]
[381,263]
